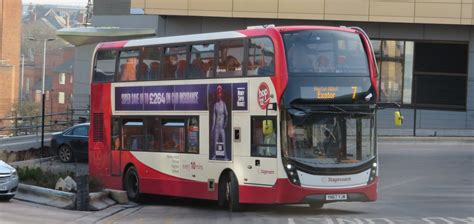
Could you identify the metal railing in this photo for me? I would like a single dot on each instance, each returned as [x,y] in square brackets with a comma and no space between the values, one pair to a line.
[27,125]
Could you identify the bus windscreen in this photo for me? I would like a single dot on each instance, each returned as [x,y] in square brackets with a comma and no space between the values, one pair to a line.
[325,52]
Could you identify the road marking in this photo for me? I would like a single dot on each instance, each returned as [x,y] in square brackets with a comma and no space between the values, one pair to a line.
[429,220]
[404,220]
[466,220]
[291,221]
[374,221]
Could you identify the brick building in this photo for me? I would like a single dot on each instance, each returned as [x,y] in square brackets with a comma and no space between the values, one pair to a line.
[10,32]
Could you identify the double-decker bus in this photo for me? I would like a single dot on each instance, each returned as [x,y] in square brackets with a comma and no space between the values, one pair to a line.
[269,115]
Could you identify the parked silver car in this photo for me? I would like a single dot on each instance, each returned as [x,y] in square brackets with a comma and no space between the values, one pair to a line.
[8,181]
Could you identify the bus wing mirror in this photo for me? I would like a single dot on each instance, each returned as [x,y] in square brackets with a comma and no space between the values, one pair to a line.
[398,118]
[272,106]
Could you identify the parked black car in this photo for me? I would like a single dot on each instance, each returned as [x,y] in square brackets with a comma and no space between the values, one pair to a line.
[71,144]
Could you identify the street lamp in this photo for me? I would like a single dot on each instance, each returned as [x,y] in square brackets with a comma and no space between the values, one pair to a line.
[42,86]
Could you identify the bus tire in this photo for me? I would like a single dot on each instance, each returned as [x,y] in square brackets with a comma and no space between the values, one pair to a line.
[229,192]
[132,184]
[316,205]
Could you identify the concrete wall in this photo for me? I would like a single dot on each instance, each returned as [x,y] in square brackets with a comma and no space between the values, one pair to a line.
[402,11]
[81,89]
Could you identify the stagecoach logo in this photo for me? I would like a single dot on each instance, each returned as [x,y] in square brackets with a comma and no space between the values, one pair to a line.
[263,97]
[335,179]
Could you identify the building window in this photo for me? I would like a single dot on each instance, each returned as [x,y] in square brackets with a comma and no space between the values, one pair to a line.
[37,96]
[395,70]
[440,75]
[62,78]
[391,71]
[61,97]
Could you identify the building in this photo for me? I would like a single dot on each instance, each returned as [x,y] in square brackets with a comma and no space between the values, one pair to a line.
[10,32]
[424,47]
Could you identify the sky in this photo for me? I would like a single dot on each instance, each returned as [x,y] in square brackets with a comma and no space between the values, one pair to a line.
[56,2]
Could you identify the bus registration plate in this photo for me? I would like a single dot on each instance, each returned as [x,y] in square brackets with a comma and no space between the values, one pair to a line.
[336,197]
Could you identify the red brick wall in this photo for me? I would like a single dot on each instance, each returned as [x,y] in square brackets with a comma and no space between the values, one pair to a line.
[10,36]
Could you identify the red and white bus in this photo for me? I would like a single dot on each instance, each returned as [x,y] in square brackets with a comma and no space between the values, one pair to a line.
[264,115]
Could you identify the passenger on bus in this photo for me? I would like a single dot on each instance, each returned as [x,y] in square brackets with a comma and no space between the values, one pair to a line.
[323,64]
[169,66]
[128,70]
[142,70]
[300,58]
[116,145]
[198,68]
[181,69]
[154,71]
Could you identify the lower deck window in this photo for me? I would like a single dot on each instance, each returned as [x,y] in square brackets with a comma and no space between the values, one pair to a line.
[155,133]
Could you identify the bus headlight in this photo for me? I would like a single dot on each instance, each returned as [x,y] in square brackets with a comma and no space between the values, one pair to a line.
[373,173]
[292,173]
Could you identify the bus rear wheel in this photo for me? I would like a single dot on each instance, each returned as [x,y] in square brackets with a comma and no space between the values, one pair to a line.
[132,184]
[229,192]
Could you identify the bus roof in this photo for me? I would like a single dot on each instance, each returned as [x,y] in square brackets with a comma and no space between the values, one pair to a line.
[210,36]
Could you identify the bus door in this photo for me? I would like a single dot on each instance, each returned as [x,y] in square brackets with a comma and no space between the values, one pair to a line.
[262,164]
[116,149]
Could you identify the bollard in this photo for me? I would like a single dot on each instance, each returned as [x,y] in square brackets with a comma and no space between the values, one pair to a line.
[82,195]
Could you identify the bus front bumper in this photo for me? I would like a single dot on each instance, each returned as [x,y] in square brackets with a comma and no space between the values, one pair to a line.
[284,192]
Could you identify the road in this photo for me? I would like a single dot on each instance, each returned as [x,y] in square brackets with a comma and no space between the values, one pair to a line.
[420,183]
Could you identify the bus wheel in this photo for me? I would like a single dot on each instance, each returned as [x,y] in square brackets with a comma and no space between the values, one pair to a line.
[132,184]
[316,205]
[229,192]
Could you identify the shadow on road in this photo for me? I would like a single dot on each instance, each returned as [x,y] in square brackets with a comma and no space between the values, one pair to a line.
[204,206]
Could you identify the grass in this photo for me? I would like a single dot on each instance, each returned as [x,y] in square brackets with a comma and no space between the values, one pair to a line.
[38,177]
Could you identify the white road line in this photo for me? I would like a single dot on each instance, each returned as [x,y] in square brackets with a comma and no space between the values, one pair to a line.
[291,221]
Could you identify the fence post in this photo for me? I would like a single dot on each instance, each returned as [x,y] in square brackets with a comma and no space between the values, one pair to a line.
[82,195]
[15,117]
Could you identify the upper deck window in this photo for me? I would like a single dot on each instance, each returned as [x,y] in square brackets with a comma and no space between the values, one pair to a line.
[104,69]
[325,52]
[202,61]
[150,64]
[231,57]
[261,58]
[128,66]
[174,62]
